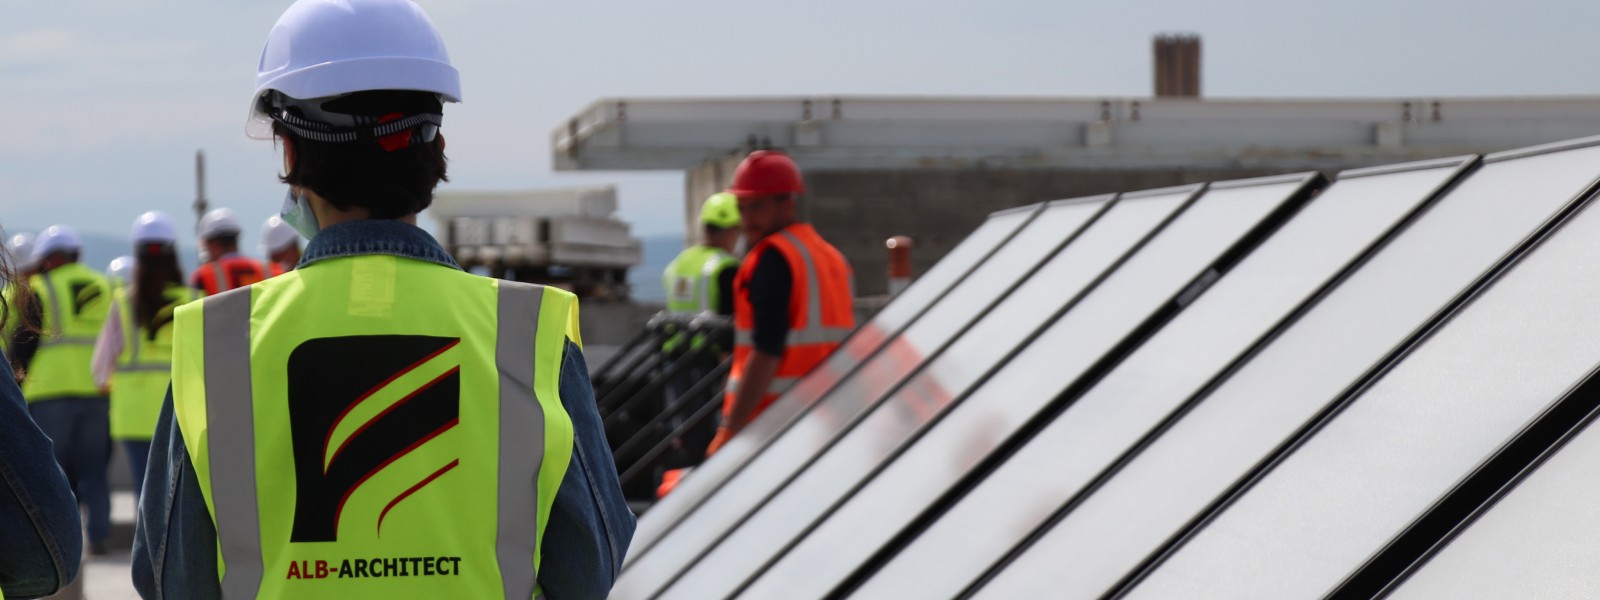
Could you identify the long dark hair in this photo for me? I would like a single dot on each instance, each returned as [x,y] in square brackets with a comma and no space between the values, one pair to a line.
[154,271]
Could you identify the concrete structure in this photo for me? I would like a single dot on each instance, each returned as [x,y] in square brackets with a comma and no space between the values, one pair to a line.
[566,237]
[932,168]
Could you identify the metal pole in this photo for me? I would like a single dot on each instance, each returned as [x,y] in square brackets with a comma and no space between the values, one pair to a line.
[661,448]
[707,384]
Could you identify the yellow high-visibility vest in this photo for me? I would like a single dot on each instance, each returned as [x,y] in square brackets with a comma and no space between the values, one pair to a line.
[376,427]
[74,300]
[144,367]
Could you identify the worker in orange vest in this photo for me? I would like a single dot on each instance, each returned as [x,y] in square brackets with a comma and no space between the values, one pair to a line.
[225,268]
[793,294]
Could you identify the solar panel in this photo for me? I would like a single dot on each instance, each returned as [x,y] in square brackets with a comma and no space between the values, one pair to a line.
[863,344]
[926,336]
[1398,447]
[1216,330]
[1155,495]
[1184,252]
[1538,541]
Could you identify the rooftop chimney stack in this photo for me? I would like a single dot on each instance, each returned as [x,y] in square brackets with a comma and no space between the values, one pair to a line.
[1177,66]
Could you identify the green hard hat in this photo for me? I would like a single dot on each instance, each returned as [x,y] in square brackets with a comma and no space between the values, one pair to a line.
[720,210]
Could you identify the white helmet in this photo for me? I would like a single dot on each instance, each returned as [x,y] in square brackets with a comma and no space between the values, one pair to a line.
[56,238]
[120,269]
[221,221]
[277,235]
[154,227]
[326,48]
[21,248]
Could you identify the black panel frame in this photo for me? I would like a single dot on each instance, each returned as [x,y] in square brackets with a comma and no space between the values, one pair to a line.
[1311,184]
[1035,209]
[1464,165]
[1487,483]
[1376,372]
[1194,191]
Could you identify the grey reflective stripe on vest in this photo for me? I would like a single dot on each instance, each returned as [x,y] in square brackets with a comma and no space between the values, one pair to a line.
[130,330]
[815,332]
[221,276]
[230,422]
[521,438]
[144,368]
[708,278]
[778,387]
[809,335]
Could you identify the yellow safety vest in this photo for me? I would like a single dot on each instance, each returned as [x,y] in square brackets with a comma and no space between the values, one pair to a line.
[74,300]
[144,367]
[376,427]
[13,316]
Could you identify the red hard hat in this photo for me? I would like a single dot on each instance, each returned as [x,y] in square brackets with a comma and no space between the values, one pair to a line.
[766,172]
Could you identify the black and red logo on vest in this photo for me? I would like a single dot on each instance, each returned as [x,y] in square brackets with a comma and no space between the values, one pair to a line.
[328,378]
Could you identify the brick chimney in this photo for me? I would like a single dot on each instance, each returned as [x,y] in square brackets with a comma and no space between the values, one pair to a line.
[1177,66]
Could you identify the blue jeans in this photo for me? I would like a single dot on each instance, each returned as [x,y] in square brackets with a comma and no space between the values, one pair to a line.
[138,456]
[81,431]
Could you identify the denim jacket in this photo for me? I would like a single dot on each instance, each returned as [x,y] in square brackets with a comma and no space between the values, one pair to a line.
[41,539]
[590,525]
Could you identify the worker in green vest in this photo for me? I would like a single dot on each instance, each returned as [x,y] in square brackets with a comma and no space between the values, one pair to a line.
[376,423]
[133,356]
[68,308]
[700,279]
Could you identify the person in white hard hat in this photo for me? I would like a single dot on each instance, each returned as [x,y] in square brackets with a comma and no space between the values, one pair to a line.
[68,308]
[120,271]
[133,356]
[225,268]
[377,423]
[281,245]
[15,292]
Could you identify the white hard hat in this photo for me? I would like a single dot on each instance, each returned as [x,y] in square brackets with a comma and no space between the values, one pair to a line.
[154,227]
[326,48]
[221,221]
[121,269]
[56,238]
[277,235]
[21,248]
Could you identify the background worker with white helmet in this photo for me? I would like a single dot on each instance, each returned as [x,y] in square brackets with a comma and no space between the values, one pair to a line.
[120,271]
[377,408]
[133,355]
[280,244]
[20,259]
[225,268]
[67,310]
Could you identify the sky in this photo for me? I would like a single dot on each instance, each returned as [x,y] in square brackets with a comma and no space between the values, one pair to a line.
[106,101]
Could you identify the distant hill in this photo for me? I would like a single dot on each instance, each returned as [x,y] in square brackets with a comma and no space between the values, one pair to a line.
[659,250]
[99,249]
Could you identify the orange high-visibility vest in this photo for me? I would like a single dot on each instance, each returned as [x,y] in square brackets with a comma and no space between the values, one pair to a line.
[821,311]
[226,273]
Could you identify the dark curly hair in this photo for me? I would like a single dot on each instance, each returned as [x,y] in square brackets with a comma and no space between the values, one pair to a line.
[364,174]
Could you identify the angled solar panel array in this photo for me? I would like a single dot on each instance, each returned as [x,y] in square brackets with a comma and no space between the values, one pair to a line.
[1264,388]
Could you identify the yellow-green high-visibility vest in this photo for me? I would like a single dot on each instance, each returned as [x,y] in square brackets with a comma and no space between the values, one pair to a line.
[12,314]
[376,427]
[74,300]
[691,284]
[139,385]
